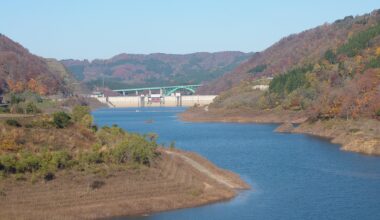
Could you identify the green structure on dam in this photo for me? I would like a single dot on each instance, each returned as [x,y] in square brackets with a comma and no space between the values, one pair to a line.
[164,90]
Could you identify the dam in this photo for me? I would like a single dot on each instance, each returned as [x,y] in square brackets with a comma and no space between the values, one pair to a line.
[152,101]
[165,96]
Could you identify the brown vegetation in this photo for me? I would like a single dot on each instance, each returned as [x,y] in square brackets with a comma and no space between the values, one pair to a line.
[170,183]
[361,136]
[22,71]
[357,135]
[62,166]
[327,77]
[295,50]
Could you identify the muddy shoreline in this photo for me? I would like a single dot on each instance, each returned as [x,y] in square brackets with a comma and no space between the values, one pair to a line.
[360,136]
[177,180]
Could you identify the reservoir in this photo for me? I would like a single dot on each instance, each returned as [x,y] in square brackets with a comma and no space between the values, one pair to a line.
[293,176]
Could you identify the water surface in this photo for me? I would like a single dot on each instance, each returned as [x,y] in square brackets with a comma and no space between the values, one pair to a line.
[293,176]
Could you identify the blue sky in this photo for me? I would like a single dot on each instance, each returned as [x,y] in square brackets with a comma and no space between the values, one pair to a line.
[103,28]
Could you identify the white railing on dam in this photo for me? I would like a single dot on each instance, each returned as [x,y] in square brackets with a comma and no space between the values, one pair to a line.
[165,101]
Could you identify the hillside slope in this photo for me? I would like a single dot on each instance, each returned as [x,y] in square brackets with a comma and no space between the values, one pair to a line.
[338,81]
[297,49]
[331,90]
[21,70]
[155,69]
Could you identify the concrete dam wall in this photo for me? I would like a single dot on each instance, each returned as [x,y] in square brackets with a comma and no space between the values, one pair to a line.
[164,101]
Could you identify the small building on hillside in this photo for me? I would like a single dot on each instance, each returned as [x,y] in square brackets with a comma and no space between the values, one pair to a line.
[261,87]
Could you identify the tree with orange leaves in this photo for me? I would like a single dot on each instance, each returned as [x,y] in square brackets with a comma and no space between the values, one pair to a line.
[19,87]
[42,90]
[33,85]
[377,52]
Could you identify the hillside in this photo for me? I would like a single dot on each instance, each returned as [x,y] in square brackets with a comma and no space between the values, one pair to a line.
[333,78]
[61,165]
[294,50]
[21,70]
[330,85]
[135,70]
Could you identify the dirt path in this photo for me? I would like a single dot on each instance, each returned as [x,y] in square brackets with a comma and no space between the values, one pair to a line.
[8,115]
[206,171]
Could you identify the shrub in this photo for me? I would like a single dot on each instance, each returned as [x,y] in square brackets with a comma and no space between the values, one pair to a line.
[60,159]
[330,56]
[61,119]
[374,63]
[28,162]
[258,69]
[134,148]
[86,121]
[43,122]
[48,161]
[378,112]
[141,150]
[4,110]
[79,112]
[48,176]
[96,184]
[8,163]
[17,108]
[108,136]
[16,98]
[31,108]
[120,154]
[13,122]
[92,157]
[94,128]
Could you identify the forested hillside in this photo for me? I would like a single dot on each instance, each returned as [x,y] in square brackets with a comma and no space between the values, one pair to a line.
[296,50]
[133,70]
[22,71]
[330,71]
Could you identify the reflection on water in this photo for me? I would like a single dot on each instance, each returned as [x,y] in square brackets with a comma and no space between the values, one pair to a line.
[293,176]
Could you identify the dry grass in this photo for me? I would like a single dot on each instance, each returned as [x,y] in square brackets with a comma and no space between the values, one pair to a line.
[38,137]
[170,183]
[361,136]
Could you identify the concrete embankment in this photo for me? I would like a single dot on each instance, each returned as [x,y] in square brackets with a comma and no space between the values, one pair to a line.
[176,180]
[166,101]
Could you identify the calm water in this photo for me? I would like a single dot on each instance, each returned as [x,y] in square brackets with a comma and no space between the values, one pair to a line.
[293,176]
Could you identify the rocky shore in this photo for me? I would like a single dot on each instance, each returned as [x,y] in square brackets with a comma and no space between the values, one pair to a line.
[361,135]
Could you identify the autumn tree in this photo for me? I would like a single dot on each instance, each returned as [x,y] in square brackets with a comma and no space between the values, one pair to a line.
[33,85]
[377,52]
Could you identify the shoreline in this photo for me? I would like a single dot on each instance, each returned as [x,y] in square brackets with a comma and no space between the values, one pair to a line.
[177,180]
[359,136]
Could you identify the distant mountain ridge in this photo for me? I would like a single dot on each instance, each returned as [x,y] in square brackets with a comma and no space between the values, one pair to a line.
[135,70]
